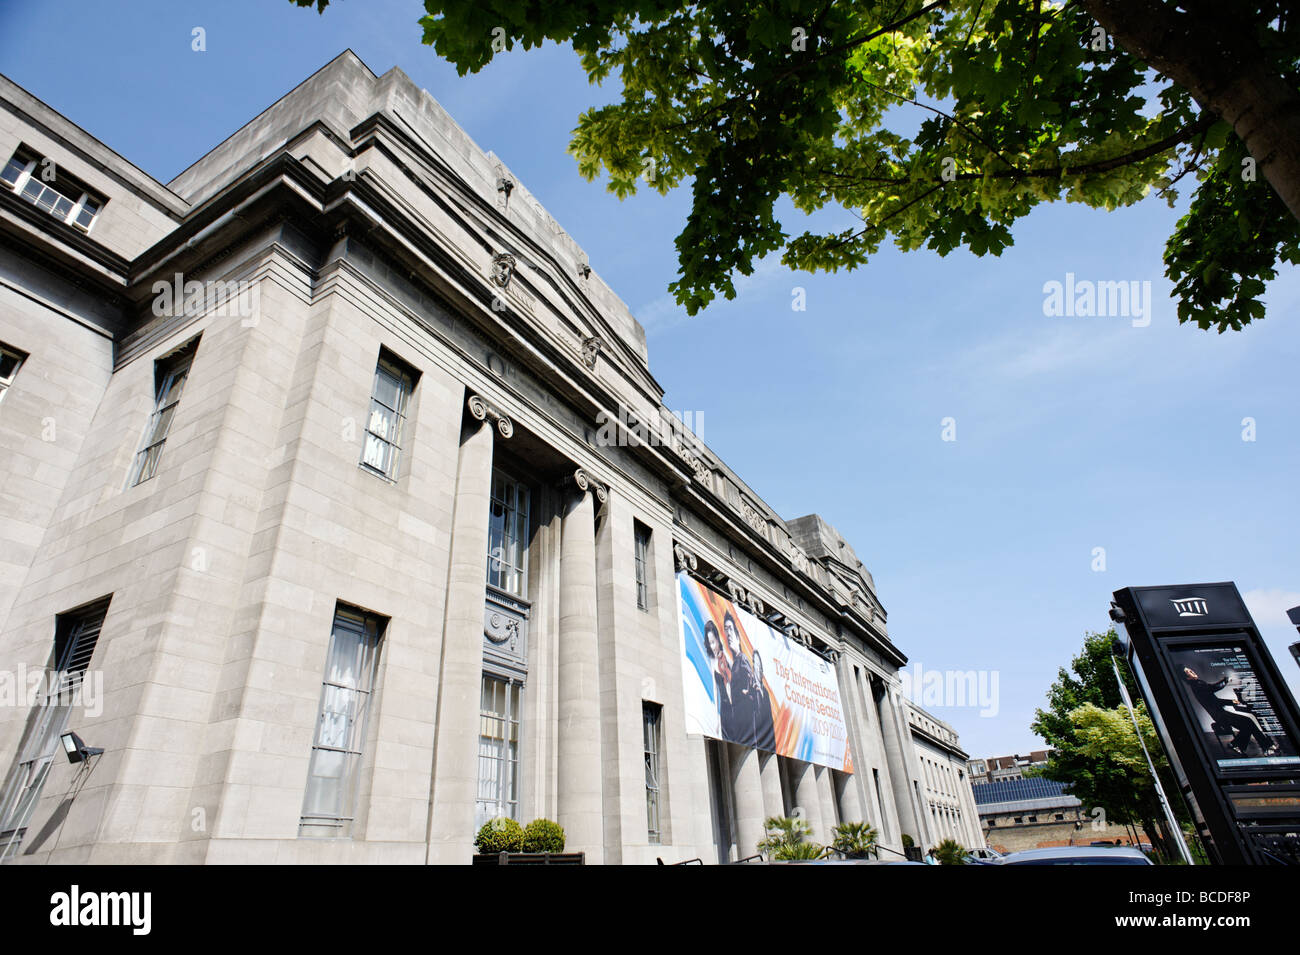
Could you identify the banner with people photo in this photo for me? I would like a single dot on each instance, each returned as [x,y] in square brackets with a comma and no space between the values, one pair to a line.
[748,683]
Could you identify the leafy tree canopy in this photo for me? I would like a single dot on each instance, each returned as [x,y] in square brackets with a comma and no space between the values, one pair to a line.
[1095,747]
[938,123]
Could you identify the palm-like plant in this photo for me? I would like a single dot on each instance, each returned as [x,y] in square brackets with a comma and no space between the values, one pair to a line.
[950,852]
[786,840]
[857,840]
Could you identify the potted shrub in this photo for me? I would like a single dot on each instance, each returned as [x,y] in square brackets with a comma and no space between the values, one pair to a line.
[787,840]
[503,841]
[543,835]
[856,840]
[950,852]
[501,834]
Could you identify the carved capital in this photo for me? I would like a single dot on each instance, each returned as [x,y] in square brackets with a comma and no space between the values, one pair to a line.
[584,482]
[682,558]
[482,410]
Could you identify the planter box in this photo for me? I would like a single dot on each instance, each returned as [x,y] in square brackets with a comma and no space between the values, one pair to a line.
[530,858]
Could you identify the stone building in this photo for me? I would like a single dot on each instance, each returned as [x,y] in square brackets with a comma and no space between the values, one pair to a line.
[941,786]
[1030,812]
[1000,768]
[342,512]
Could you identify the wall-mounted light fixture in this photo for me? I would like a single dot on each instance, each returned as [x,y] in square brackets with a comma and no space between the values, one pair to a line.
[76,747]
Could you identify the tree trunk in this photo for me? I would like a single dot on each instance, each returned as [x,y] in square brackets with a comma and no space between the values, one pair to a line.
[1214,55]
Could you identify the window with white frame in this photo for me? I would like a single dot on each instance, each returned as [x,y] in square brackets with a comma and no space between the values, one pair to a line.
[39,180]
[651,720]
[498,749]
[507,565]
[76,634]
[329,806]
[641,558]
[11,359]
[387,419]
[170,375]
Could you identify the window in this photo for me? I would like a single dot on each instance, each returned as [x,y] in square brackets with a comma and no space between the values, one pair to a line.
[44,185]
[76,634]
[642,559]
[384,426]
[329,807]
[507,565]
[170,374]
[651,718]
[10,361]
[498,750]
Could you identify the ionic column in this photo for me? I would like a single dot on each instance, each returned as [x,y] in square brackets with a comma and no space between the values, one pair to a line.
[825,790]
[850,801]
[900,779]
[807,800]
[747,786]
[769,772]
[454,787]
[578,758]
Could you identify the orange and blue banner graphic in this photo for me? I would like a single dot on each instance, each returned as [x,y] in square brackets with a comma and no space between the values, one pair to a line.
[748,683]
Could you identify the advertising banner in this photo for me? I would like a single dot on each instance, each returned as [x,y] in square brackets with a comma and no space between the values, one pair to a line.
[748,683]
[1236,718]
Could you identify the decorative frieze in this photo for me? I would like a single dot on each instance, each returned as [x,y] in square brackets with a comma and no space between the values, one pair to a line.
[753,517]
[683,560]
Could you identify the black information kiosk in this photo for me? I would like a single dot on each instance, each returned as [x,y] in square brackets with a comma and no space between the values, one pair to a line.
[1228,723]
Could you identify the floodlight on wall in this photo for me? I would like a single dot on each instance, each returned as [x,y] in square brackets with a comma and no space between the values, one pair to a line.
[76,747]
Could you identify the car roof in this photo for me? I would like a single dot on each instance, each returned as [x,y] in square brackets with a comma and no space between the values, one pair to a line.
[1078,855]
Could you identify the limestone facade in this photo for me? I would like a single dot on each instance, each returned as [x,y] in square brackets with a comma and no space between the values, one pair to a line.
[397,371]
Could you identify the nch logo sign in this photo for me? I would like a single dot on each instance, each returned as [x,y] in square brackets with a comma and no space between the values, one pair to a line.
[1191,606]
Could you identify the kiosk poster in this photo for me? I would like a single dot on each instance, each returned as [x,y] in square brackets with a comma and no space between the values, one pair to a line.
[748,683]
[1236,718]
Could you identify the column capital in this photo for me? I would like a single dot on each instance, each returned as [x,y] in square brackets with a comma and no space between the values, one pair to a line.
[481,409]
[583,482]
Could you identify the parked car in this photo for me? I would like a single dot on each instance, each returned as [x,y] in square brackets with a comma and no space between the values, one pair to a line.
[985,854]
[1077,855]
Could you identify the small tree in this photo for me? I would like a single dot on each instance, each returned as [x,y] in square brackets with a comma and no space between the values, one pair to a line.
[857,840]
[501,834]
[786,840]
[950,852]
[543,835]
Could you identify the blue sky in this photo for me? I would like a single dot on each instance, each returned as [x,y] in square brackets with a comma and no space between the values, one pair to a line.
[1071,433]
